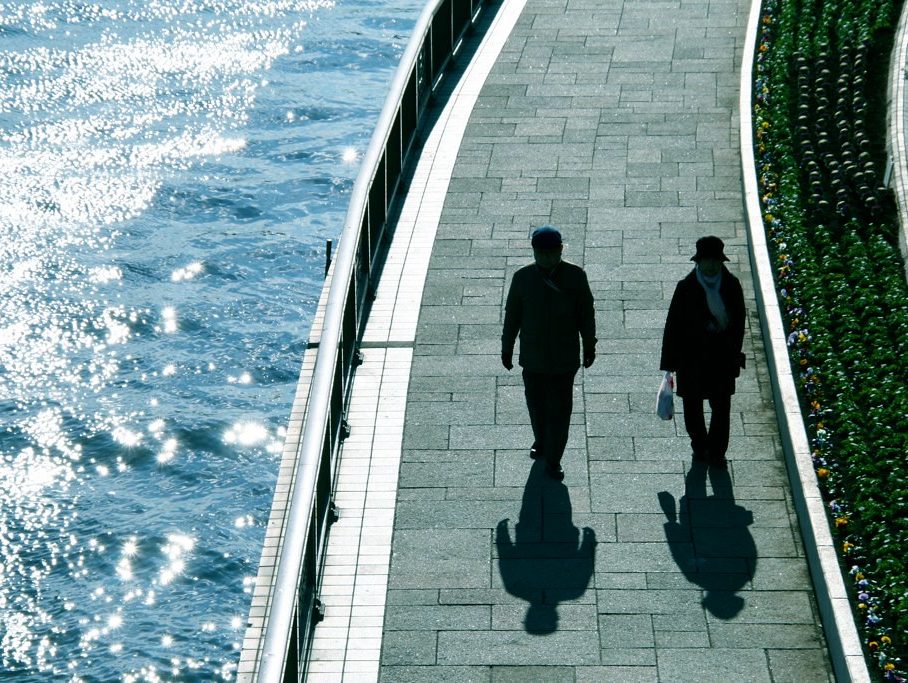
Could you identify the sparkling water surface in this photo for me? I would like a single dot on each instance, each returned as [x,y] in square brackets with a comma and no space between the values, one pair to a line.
[169,173]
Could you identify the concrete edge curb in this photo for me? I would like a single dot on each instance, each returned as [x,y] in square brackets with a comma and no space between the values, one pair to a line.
[896,127]
[842,638]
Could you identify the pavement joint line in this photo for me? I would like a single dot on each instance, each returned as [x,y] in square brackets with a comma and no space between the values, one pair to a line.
[390,344]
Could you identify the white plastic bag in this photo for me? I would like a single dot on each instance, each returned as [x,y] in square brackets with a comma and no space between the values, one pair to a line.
[665,399]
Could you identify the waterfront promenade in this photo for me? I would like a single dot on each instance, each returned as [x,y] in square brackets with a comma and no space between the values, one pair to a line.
[455,558]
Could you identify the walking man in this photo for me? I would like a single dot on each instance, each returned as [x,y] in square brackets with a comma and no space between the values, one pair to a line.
[550,306]
[701,344]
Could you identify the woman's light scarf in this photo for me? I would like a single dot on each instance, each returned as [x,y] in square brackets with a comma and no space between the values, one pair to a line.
[711,286]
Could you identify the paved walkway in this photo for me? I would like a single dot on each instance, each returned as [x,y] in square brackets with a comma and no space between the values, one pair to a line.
[614,120]
[454,559]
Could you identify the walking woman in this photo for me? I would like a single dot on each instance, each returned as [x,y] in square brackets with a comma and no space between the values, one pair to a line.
[704,332]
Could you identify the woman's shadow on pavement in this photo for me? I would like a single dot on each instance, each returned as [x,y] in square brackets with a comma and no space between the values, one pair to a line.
[548,561]
[709,539]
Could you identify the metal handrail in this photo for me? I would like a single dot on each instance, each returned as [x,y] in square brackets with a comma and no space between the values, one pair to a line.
[435,40]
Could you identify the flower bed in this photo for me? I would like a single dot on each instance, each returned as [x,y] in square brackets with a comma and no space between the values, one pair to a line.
[819,117]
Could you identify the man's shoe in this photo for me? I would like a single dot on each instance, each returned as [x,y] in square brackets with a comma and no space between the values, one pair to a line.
[555,472]
[535,452]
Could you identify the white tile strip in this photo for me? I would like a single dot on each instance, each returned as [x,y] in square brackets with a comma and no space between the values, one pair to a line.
[347,643]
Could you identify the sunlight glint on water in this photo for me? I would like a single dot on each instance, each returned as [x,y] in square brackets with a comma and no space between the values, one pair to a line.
[164,193]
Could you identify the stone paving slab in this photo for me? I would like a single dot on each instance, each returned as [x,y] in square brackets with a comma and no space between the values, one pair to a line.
[616,121]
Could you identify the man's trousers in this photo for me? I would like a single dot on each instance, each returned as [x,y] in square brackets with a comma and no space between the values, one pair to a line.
[550,400]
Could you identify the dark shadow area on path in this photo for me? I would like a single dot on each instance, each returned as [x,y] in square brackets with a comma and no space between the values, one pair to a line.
[550,561]
[709,539]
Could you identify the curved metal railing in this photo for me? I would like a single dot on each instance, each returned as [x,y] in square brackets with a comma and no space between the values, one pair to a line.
[292,606]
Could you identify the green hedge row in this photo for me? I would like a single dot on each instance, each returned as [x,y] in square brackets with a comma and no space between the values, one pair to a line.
[819,116]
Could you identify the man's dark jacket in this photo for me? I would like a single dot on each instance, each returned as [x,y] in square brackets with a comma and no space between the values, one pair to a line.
[705,361]
[549,313]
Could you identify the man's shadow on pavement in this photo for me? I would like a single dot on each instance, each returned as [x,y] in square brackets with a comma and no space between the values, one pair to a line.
[548,562]
[710,540]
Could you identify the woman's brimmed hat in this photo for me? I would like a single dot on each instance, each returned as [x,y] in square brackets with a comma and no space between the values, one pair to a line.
[710,247]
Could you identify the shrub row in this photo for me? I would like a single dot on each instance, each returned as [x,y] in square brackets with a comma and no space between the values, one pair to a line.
[819,117]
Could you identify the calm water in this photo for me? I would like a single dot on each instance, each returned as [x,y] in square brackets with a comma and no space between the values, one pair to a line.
[169,172]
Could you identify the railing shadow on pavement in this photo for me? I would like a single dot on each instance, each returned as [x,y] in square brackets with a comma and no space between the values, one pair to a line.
[281,621]
[550,561]
[709,539]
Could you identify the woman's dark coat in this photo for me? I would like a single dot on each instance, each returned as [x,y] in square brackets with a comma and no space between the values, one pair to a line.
[706,361]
